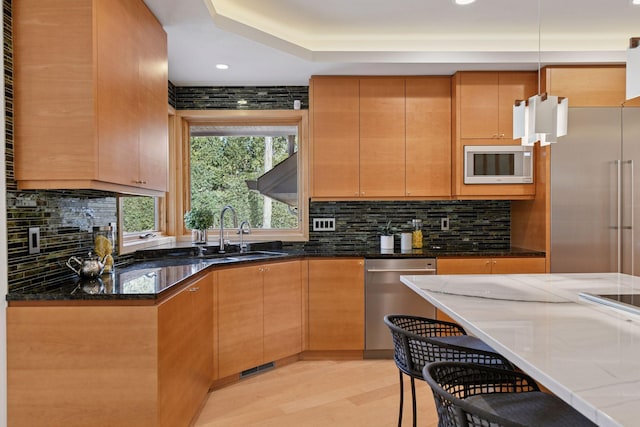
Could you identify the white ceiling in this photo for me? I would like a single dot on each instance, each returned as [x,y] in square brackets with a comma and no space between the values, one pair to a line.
[284,42]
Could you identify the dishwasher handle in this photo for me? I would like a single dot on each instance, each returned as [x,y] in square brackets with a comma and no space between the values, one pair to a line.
[401,270]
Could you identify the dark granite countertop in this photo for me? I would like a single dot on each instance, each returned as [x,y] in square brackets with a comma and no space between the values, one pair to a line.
[152,275]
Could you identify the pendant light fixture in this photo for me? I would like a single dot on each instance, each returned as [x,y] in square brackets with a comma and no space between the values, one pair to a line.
[633,68]
[542,117]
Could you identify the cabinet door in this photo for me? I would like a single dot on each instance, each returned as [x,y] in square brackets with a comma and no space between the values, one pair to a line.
[518,265]
[486,102]
[152,101]
[382,137]
[240,320]
[282,310]
[428,137]
[335,130]
[512,86]
[336,304]
[117,89]
[201,294]
[479,105]
[176,337]
[472,265]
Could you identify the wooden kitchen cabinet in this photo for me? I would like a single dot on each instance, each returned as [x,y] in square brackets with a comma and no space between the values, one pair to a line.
[282,310]
[90,98]
[382,137]
[185,351]
[485,102]
[336,304]
[111,365]
[335,131]
[496,265]
[482,265]
[428,137]
[259,315]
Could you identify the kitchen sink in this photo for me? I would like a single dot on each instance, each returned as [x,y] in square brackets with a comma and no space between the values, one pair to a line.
[244,256]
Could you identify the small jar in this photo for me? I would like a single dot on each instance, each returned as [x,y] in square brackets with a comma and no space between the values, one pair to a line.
[103,244]
[416,235]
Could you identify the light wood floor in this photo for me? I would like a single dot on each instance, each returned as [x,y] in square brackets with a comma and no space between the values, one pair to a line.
[318,393]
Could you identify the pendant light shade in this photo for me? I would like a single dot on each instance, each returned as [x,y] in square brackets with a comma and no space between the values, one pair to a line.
[542,118]
[633,68]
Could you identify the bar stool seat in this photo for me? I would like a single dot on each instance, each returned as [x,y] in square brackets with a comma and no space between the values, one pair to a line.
[474,395]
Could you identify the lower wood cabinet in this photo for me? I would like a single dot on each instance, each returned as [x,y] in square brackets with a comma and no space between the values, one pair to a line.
[482,265]
[496,265]
[185,352]
[336,304]
[258,315]
[110,365]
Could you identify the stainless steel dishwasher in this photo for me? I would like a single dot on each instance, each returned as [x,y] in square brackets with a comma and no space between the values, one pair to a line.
[385,294]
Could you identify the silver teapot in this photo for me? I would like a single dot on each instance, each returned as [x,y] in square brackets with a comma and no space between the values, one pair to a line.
[88,268]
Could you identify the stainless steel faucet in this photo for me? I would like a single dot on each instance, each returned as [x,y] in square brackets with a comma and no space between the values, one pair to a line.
[242,232]
[235,224]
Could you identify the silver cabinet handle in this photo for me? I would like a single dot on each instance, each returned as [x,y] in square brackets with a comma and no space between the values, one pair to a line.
[196,289]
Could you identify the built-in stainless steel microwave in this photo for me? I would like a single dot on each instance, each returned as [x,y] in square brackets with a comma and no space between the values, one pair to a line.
[498,164]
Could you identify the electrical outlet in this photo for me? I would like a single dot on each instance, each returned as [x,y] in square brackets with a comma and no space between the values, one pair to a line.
[444,223]
[324,224]
[34,240]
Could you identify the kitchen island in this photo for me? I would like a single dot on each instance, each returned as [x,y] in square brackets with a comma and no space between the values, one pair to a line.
[586,353]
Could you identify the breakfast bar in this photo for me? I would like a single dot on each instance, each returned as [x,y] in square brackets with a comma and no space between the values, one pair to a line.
[585,352]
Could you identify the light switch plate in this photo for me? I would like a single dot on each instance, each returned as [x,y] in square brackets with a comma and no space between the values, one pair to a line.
[34,240]
[444,223]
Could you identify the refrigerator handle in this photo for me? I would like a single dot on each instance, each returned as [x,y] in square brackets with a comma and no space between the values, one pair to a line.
[619,214]
[631,225]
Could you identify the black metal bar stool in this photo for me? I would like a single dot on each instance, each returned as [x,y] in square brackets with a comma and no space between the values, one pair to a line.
[418,341]
[474,395]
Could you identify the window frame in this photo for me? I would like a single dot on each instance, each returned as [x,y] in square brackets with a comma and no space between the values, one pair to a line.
[186,118]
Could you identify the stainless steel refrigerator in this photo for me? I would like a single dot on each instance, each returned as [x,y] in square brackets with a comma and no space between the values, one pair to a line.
[595,192]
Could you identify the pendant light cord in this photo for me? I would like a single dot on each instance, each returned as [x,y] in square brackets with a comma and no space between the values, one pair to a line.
[539,44]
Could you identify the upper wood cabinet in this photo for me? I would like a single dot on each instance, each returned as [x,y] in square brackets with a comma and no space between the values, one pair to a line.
[485,102]
[595,86]
[91,107]
[381,137]
[428,136]
[335,131]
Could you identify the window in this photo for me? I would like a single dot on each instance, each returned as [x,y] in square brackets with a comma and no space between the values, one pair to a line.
[140,222]
[253,163]
[139,214]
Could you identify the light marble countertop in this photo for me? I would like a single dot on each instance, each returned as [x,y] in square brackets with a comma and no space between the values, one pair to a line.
[586,353]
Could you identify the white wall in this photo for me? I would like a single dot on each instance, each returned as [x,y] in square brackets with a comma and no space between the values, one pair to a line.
[3,258]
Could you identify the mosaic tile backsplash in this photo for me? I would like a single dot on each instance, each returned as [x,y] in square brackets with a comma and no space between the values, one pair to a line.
[254,97]
[475,224]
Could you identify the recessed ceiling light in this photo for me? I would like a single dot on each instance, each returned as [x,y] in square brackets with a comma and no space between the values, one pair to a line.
[222,66]
[465,2]
[636,2]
